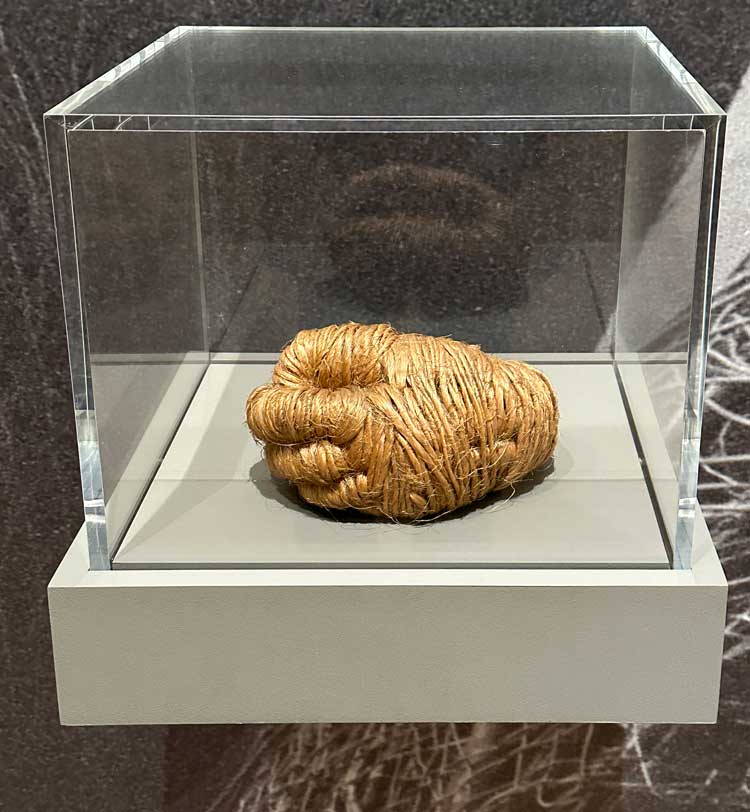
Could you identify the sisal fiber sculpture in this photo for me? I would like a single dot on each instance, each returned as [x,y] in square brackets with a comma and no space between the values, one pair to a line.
[399,424]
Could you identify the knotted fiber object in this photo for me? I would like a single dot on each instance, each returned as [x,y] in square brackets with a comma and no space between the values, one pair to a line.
[400,424]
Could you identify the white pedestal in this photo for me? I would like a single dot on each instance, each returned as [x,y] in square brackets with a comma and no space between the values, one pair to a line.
[231,602]
[345,645]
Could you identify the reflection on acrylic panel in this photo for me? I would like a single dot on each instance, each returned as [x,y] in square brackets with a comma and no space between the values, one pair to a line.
[487,237]
[522,242]
[138,267]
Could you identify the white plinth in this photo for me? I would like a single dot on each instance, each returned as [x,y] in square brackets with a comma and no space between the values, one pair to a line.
[214,504]
[232,602]
[344,645]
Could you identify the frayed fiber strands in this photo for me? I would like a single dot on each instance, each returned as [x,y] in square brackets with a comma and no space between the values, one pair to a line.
[400,425]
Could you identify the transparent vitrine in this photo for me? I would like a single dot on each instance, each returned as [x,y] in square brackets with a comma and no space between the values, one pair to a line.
[550,194]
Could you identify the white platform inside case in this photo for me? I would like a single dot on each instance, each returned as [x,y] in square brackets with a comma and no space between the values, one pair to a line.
[213,502]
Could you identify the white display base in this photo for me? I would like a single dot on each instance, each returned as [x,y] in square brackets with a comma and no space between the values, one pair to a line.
[344,645]
[232,602]
[213,503]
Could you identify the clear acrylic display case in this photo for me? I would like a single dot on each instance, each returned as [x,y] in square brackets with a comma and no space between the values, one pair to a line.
[551,194]
[548,193]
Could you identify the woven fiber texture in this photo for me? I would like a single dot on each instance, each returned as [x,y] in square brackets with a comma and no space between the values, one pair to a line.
[399,424]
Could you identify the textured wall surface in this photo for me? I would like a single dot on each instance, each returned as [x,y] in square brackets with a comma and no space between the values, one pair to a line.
[48,50]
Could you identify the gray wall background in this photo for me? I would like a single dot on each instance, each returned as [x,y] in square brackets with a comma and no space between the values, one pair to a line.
[48,50]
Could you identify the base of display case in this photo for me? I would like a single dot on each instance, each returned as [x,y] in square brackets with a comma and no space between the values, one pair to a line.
[344,645]
[594,507]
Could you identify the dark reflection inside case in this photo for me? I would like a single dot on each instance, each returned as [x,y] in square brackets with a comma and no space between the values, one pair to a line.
[410,231]
[487,237]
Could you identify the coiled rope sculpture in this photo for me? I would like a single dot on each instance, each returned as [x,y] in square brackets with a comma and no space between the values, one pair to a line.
[399,424]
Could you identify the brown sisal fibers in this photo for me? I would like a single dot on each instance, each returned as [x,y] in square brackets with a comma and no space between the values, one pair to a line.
[400,424]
